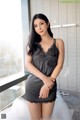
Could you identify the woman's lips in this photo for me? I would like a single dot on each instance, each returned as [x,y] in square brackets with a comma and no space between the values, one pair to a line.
[40,31]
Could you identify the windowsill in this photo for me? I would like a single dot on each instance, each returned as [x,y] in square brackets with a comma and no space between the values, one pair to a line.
[11,78]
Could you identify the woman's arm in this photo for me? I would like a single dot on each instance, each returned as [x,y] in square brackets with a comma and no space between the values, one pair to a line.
[32,69]
[60,46]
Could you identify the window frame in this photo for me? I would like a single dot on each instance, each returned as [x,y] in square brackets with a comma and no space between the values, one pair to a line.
[23,78]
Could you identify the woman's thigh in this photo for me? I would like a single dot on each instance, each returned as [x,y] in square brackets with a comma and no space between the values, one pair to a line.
[35,110]
[47,110]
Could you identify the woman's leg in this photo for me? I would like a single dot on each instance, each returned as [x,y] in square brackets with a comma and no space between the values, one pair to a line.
[47,110]
[35,110]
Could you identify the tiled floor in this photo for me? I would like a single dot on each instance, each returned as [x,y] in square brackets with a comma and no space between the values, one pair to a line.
[73,101]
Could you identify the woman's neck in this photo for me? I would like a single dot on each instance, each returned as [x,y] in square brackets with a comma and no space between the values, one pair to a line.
[46,38]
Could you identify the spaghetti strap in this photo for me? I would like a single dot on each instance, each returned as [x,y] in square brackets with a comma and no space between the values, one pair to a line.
[55,41]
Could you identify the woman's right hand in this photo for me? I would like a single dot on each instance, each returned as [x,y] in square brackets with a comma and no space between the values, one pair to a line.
[49,82]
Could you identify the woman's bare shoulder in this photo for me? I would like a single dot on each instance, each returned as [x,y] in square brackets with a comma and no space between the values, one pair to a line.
[59,41]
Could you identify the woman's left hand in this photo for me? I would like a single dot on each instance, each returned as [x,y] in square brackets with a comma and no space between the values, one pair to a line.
[44,91]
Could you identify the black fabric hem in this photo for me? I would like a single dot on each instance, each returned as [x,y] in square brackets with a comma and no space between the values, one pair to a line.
[44,101]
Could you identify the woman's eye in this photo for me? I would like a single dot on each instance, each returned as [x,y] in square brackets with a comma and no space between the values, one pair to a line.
[35,25]
[42,23]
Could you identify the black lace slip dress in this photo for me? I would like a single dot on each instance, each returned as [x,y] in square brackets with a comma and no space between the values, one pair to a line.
[45,62]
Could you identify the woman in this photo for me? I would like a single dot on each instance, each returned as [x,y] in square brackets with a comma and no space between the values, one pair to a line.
[44,61]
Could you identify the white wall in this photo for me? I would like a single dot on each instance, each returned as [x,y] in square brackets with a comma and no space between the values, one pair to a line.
[64,13]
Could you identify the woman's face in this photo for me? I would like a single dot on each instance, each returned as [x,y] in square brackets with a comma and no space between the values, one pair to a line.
[40,26]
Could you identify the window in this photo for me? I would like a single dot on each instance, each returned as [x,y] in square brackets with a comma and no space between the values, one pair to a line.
[11,38]
[14,28]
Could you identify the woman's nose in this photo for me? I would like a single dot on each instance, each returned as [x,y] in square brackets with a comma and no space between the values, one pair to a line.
[39,27]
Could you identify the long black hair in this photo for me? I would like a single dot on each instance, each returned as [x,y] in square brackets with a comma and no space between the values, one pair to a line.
[34,37]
